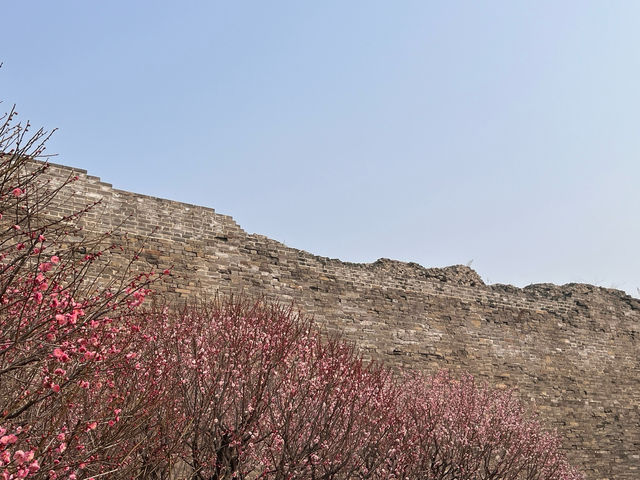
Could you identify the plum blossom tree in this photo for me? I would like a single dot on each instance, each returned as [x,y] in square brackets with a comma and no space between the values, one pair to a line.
[259,393]
[459,429]
[64,337]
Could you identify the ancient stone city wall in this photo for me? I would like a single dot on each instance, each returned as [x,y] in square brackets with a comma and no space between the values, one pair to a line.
[572,350]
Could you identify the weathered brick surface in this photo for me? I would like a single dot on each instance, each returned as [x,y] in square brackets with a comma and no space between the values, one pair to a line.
[573,350]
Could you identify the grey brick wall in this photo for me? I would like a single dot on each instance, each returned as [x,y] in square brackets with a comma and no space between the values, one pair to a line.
[573,351]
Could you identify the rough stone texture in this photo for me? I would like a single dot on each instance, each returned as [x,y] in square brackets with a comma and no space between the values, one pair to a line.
[572,350]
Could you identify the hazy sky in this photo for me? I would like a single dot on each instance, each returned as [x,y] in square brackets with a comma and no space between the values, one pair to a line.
[503,133]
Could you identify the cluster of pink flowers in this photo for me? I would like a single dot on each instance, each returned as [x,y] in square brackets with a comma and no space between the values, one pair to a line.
[255,391]
[66,347]
[24,462]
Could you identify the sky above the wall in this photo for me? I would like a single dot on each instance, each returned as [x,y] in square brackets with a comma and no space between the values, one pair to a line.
[503,134]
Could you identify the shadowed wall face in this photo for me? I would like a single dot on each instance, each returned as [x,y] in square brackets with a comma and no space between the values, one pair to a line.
[574,350]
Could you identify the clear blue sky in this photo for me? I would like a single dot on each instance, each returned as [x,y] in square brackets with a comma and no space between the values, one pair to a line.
[503,132]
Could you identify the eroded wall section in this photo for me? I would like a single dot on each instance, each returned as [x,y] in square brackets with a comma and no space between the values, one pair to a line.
[573,350]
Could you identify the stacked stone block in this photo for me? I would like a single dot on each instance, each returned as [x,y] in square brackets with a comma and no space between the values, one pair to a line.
[573,351]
